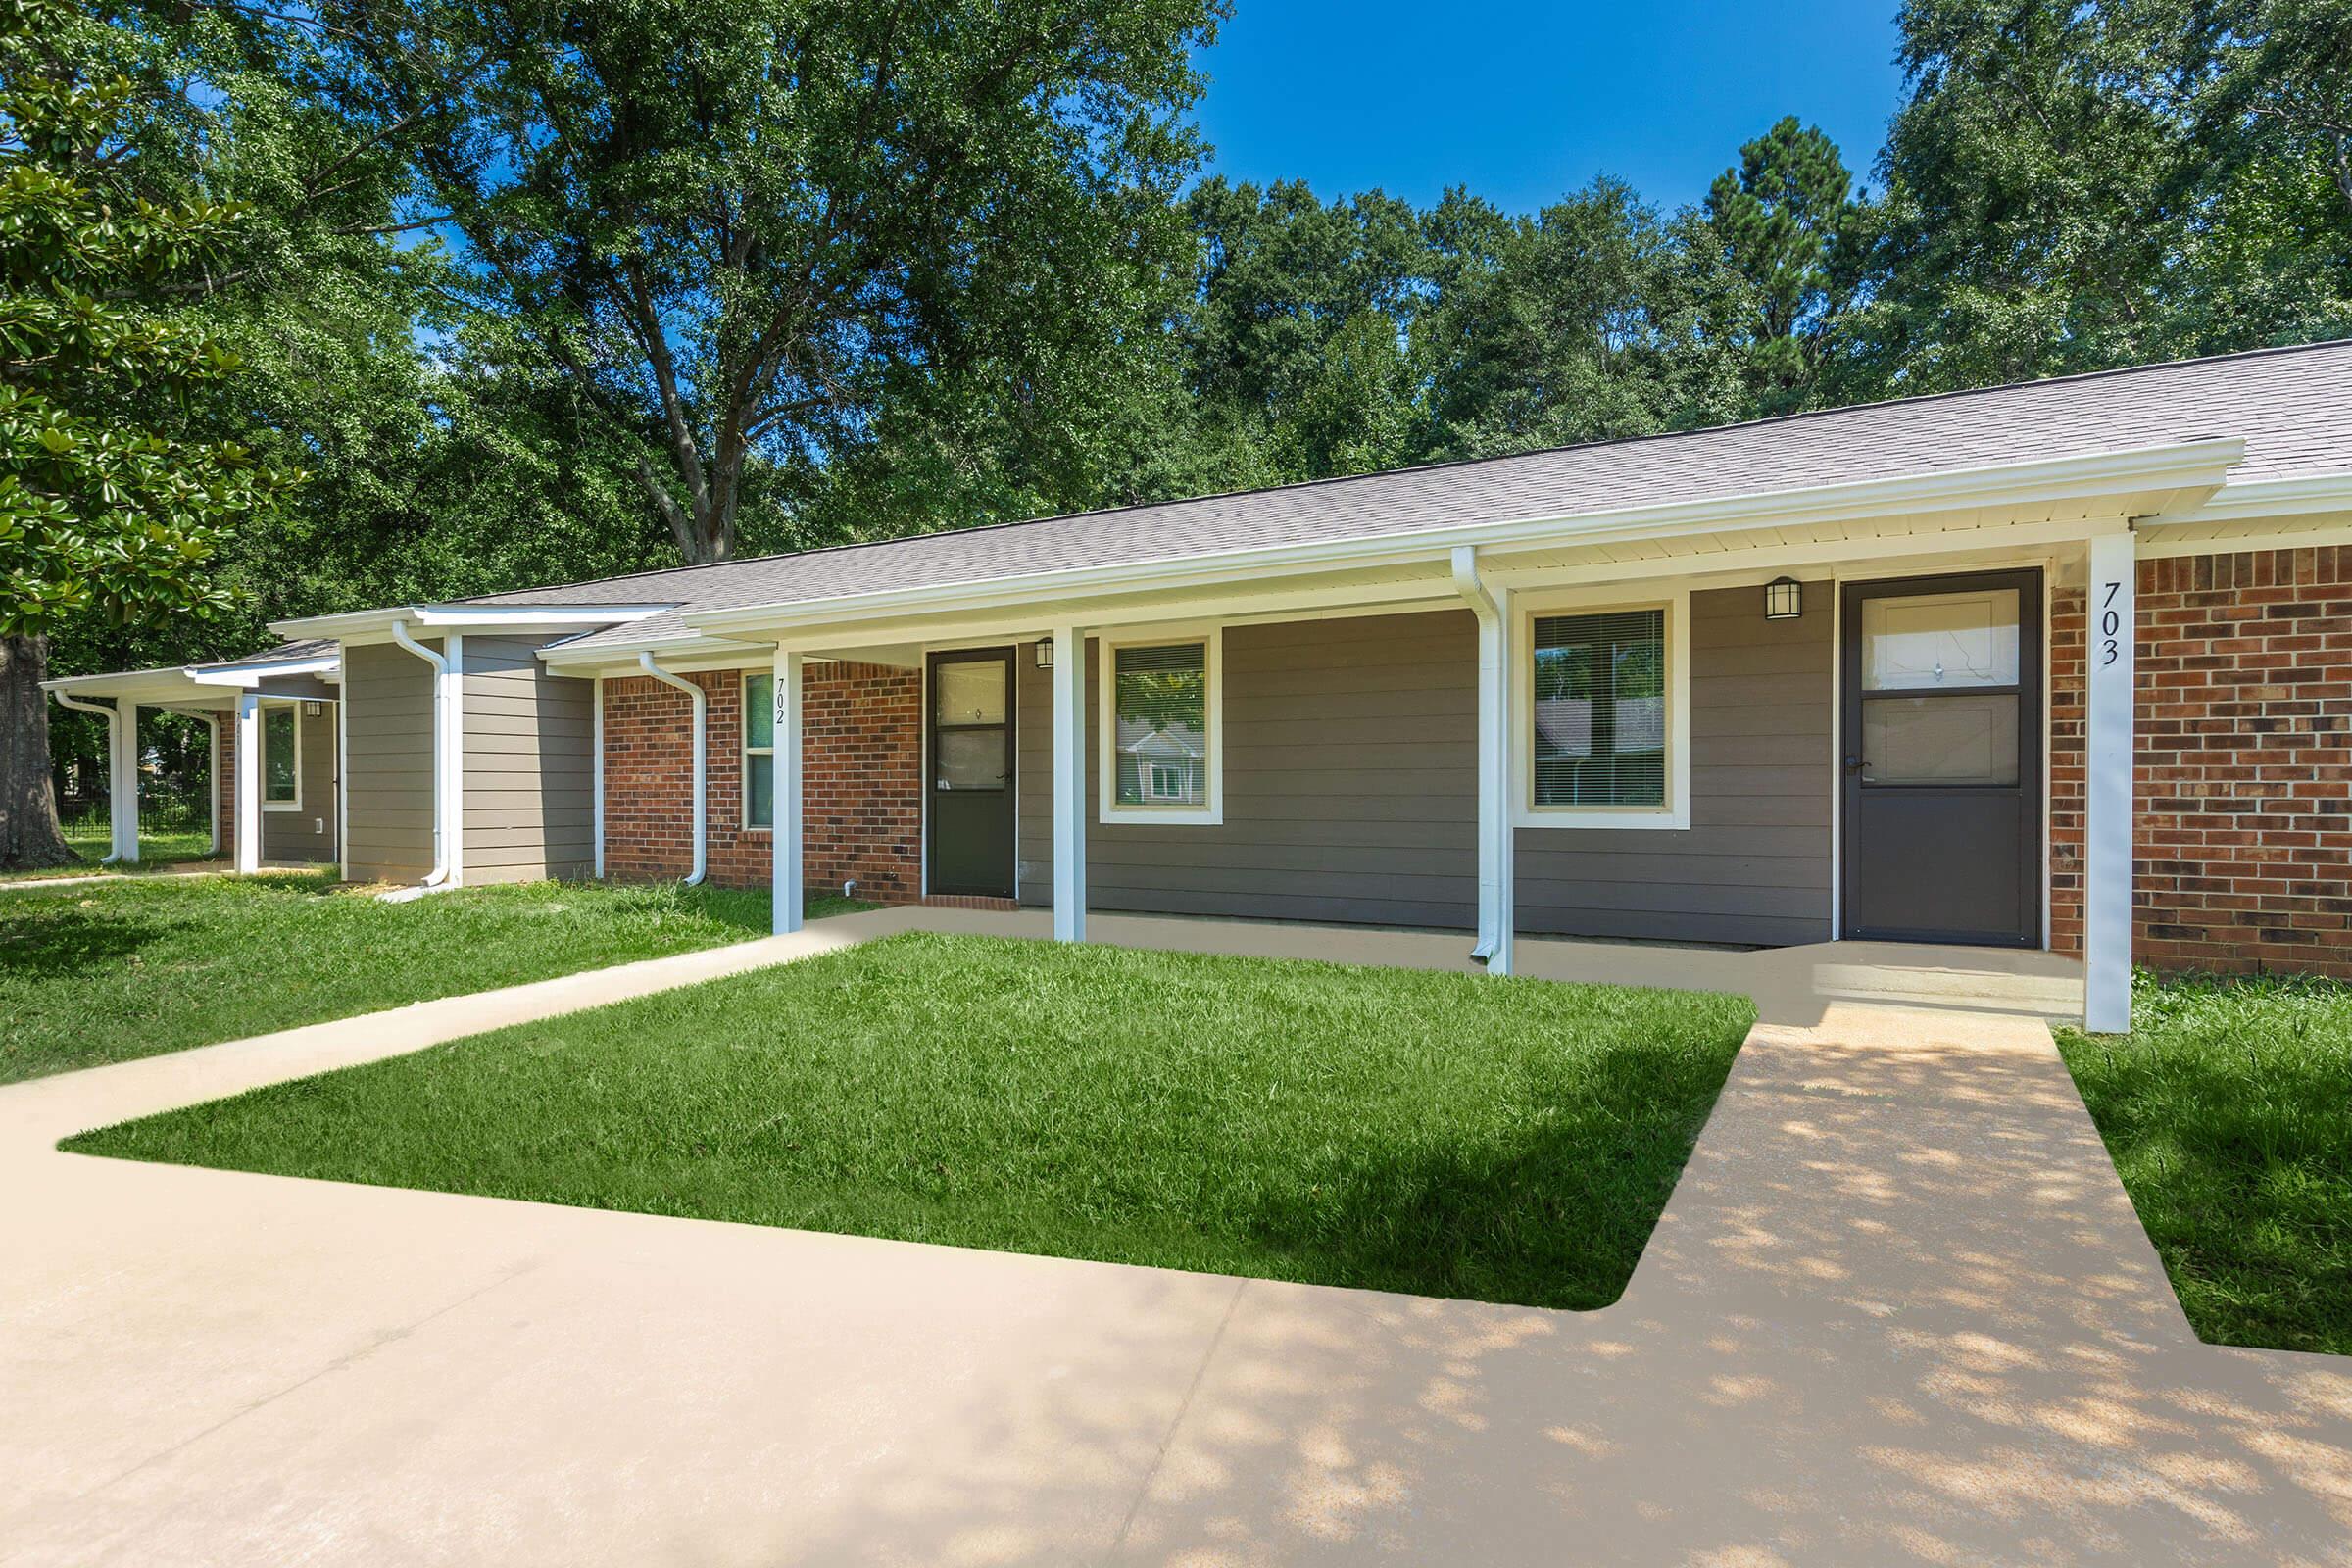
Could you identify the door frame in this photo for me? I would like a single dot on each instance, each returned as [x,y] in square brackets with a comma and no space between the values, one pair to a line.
[1009,653]
[2033,579]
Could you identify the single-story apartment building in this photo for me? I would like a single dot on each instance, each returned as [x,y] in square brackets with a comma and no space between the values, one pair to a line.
[2065,664]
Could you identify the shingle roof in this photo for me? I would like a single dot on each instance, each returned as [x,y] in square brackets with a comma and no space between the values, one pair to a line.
[303,648]
[2292,407]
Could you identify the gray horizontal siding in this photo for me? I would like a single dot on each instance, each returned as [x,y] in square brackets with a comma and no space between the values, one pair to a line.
[530,786]
[1351,790]
[388,745]
[1754,865]
[308,835]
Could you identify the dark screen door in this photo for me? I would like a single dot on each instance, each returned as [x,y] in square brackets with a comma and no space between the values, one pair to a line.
[971,849]
[1941,744]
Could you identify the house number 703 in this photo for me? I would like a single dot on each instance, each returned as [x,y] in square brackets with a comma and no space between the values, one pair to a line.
[2111,626]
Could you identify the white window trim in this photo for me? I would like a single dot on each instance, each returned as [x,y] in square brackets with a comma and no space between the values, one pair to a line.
[1110,810]
[261,775]
[1675,813]
[745,750]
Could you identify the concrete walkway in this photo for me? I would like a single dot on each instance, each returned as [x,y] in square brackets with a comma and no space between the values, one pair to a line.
[1899,1311]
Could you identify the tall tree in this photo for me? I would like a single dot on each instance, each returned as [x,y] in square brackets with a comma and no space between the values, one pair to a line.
[1783,221]
[729,224]
[109,506]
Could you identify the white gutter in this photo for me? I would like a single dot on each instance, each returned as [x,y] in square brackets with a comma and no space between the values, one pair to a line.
[346,624]
[645,662]
[114,766]
[1496,895]
[443,861]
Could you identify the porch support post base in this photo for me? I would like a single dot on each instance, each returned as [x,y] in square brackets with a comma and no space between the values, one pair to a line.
[1069,784]
[2107,785]
[787,878]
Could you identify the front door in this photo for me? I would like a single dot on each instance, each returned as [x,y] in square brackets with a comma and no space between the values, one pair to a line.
[970,764]
[1941,741]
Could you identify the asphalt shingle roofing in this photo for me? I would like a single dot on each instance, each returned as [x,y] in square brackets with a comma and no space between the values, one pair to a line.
[2292,407]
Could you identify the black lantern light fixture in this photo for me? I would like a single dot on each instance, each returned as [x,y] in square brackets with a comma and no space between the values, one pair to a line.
[1045,652]
[1783,598]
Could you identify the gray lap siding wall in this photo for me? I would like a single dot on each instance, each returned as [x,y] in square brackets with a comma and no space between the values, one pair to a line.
[530,784]
[1351,779]
[388,741]
[306,834]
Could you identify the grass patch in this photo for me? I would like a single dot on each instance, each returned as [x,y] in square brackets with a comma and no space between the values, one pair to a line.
[135,967]
[156,851]
[2228,1112]
[1448,1134]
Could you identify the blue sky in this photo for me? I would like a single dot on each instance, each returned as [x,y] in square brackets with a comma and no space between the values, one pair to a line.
[1523,101]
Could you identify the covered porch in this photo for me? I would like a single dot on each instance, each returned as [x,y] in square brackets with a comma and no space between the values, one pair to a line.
[275,783]
[2060,533]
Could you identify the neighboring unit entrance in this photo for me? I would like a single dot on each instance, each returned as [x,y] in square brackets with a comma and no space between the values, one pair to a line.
[1942,739]
[971,763]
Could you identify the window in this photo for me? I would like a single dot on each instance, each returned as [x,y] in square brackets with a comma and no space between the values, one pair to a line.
[1604,720]
[1161,721]
[281,758]
[760,750]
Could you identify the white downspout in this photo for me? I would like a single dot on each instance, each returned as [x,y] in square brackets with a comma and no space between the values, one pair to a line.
[1496,898]
[400,634]
[645,662]
[114,769]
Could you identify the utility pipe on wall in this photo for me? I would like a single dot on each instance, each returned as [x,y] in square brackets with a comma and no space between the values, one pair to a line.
[441,741]
[645,662]
[114,769]
[1496,898]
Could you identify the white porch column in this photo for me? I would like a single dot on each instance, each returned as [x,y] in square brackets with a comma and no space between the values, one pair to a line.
[126,783]
[249,782]
[212,781]
[2107,768]
[596,749]
[1069,784]
[786,875]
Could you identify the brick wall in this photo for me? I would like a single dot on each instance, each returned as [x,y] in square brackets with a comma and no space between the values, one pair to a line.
[226,786]
[862,767]
[2242,839]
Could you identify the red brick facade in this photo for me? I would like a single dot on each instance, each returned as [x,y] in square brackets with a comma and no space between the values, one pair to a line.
[226,786]
[862,767]
[2243,834]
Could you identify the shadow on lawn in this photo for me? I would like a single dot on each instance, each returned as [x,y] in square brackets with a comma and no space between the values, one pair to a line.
[40,940]
[1553,1216]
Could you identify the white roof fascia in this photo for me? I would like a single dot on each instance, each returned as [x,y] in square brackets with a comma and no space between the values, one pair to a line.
[359,625]
[2274,498]
[685,655]
[246,676]
[2171,467]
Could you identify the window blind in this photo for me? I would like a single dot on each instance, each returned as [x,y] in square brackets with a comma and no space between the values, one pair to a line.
[1600,709]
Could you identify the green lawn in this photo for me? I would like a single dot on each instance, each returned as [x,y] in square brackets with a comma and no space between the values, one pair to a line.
[2229,1111]
[157,851]
[1449,1135]
[133,968]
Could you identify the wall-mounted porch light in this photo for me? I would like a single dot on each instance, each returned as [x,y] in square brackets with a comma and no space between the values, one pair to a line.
[1045,652]
[1783,598]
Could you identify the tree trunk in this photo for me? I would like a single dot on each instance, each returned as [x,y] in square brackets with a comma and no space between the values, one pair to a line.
[30,836]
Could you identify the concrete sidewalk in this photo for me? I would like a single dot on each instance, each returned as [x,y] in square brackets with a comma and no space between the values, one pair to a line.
[1899,1311]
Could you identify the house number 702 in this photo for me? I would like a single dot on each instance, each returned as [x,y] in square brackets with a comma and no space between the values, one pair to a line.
[2111,626]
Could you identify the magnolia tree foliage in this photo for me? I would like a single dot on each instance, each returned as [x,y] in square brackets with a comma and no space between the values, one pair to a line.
[109,511]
